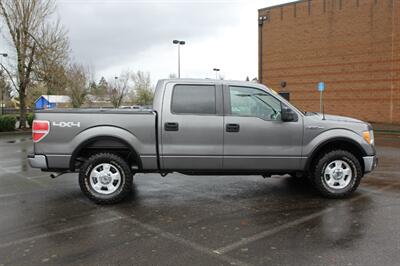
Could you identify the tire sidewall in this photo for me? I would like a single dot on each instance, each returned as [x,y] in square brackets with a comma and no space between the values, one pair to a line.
[90,165]
[319,179]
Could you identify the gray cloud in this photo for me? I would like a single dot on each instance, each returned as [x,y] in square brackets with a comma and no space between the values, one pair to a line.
[107,33]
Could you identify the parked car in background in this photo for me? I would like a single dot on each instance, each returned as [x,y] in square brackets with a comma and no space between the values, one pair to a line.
[133,107]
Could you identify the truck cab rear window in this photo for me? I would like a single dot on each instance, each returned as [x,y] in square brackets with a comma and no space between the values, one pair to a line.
[193,99]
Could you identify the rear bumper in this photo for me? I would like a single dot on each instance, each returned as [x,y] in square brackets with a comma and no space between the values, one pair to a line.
[370,163]
[37,161]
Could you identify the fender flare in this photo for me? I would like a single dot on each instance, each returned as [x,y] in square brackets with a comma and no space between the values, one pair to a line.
[324,143]
[93,134]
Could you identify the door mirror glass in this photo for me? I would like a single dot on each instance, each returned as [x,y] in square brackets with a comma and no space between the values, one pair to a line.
[288,115]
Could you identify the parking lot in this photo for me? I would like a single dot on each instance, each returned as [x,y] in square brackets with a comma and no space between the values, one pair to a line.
[197,220]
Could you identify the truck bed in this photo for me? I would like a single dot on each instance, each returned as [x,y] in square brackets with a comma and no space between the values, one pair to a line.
[69,129]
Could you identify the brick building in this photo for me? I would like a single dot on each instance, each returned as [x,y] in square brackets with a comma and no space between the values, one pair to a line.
[352,45]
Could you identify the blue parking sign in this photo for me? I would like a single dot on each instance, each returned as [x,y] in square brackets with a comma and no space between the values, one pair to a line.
[321,86]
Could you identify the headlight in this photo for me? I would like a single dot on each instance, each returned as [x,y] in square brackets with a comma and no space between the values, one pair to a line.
[369,137]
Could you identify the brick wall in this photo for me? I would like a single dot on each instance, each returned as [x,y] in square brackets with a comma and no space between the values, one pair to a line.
[352,45]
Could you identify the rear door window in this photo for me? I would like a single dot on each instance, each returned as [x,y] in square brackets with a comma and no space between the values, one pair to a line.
[193,99]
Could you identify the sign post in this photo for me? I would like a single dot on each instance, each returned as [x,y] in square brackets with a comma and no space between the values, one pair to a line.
[321,88]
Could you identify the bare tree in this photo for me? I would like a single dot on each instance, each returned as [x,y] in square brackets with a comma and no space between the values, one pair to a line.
[52,57]
[25,21]
[142,88]
[118,89]
[5,90]
[78,84]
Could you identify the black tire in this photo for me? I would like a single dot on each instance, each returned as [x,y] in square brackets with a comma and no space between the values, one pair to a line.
[124,187]
[322,163]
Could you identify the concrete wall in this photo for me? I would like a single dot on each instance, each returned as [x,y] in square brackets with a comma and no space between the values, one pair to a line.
[352,45]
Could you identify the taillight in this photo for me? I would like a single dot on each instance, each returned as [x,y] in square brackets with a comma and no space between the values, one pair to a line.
[40,129]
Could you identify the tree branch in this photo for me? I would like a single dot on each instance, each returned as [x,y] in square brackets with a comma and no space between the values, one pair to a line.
[10,76]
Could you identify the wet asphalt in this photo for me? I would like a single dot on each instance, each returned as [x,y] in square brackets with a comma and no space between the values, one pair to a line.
[197,220]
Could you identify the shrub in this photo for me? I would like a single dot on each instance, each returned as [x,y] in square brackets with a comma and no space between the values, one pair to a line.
[29,119]
[7,123]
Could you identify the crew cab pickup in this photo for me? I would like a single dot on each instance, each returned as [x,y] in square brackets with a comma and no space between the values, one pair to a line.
[200,127]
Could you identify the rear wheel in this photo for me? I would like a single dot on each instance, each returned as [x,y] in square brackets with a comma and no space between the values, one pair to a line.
[337,174]
[105,178]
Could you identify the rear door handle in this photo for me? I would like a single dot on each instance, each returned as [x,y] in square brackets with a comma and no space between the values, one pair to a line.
[171,126]
[232,127]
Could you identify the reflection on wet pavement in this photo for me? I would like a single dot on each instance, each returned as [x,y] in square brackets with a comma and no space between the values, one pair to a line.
[196,220]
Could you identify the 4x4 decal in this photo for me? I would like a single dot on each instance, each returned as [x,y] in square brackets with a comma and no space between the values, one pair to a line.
[66,124]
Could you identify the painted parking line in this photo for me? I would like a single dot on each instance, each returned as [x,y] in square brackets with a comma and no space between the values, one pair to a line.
[219,253]
[39,176]
[148,227]
[247,240]
[17,194]
[59,232]
[186,243]
[3,162]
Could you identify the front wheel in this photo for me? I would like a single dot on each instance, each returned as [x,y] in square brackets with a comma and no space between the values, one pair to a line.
[337,174]
[105,178]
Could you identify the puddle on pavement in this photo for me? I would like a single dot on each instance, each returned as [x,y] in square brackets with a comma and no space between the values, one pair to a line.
[17,140]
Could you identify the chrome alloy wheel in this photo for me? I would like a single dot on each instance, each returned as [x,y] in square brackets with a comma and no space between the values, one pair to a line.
[338,174]
[105,178]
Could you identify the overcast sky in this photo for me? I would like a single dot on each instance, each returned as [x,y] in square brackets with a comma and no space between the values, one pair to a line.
[116,35]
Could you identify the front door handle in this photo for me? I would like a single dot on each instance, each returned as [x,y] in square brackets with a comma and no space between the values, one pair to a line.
[232,127]
[171,126]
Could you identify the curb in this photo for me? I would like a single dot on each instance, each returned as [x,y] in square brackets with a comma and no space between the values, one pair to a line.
[391,132]
[15,133]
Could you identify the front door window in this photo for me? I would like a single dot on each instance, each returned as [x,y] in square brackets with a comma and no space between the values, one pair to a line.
[253,102]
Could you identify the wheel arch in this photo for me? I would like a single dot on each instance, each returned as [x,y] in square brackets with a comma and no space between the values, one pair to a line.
[95,143]
[342,143]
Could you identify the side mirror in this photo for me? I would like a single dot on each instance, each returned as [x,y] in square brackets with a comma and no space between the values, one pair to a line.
[288,115]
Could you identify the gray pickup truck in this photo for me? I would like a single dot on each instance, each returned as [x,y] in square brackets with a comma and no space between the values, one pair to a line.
[203,127]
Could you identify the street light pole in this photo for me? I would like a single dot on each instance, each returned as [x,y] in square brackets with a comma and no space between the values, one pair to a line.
[2,101]
[2,90]
[216,72]
[179,43]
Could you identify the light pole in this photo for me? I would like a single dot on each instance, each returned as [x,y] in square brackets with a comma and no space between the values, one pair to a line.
[2,100]
[115,83]
[2,89]
[179,43]
[115,93]
[216,72]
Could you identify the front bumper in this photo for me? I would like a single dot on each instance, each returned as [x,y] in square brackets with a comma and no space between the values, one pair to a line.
[37,161]
[370,163]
